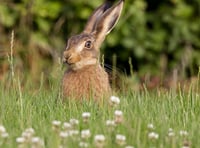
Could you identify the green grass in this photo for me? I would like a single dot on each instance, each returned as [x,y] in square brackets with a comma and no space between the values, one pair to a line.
[22,108]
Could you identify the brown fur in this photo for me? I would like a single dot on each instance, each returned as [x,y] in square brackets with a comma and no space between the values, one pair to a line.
[85,78]
[90,81]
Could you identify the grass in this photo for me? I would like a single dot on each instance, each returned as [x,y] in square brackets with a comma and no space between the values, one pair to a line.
[22,108]
[164,119]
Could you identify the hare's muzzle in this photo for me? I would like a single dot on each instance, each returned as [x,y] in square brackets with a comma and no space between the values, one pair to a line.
[70,57]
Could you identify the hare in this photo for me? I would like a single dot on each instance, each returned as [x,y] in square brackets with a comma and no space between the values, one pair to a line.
[85,77]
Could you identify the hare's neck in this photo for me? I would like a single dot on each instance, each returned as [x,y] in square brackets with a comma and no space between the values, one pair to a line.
[84,63]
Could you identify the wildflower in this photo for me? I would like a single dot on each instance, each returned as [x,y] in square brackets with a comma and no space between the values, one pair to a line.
[4,135]
[28,134]
[85,116]
[150,126]
[2,129]
[74,122]
[110,123]
[183,133]
[153,135]
[56,125]
[64,134]
[129,146]
[73,132]
[83,144]
[118,116]
[37,142]
[85,134]
[120,139]
[99,141]
[171,133]
[67,126]
[186,144]
[20,140]
[114,101]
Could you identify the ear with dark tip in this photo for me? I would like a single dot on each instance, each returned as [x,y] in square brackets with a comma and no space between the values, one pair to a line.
[96,15]
[108,21]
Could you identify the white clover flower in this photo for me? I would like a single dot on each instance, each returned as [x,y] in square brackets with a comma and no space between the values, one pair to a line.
[20,140]
[56,123]
[86,116]
[37,142]
[120,139]
[28,133]
[114,101]
[99,141]
[153,135]
[2,129]
[110,123]
[183,133]
[85,134]
[4,135]
[83,144]
[30,130]
[186,144]
[118,116]
[171,133]
[150,126]
[185,147]
[118,113]
[74,122]
[64,134]
[73,133]
[67,126]
[99,138]
[128,146]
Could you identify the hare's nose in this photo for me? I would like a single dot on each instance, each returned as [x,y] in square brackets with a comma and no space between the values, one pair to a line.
[66,56]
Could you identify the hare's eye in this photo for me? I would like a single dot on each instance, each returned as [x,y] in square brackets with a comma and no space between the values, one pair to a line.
[88,44]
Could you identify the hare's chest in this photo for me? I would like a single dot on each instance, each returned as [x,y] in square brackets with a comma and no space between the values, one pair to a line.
[84,84]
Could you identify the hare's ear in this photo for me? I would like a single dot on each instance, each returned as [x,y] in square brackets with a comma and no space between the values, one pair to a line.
[95,16]
[107,21]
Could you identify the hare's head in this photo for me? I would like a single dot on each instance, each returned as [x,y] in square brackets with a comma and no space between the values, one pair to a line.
[83,49]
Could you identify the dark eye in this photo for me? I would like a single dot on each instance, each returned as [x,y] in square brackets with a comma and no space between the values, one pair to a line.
[88,44]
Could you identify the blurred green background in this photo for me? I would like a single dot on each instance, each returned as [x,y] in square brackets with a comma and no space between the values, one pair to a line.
[152,38]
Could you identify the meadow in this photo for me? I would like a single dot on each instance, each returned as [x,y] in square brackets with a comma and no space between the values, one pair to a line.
[39,118]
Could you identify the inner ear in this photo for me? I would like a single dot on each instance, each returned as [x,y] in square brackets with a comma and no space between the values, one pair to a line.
[95,16]
[112,23]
